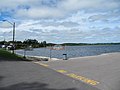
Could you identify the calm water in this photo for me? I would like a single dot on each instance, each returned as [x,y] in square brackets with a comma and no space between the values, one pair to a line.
[73,51]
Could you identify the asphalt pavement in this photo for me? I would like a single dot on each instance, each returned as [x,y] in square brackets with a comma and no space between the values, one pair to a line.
[23,75]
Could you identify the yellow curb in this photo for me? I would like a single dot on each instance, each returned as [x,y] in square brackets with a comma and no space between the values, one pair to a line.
[62,71]
[84,79]
[45,65]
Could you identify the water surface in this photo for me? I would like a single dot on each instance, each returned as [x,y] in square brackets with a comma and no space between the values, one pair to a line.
[72,51]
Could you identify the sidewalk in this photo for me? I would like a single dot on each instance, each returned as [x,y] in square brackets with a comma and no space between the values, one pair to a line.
[102,71]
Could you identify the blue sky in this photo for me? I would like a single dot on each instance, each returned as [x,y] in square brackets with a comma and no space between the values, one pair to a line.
[61,21]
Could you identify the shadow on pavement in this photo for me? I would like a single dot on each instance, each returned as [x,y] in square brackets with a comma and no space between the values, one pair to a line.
[31,86]
[6,59]
[1,78]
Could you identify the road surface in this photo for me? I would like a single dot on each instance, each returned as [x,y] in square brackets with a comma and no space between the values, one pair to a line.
[23,75]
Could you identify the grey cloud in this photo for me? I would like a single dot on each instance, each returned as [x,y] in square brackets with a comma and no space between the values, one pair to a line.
[56,24]
[22,35]
[36,30]
[6,35]
[98,17]
[72,35]
[105,33]
[69,24]
[105,17]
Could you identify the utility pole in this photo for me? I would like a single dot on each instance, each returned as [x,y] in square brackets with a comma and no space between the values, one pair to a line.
[13,41]
[13,37]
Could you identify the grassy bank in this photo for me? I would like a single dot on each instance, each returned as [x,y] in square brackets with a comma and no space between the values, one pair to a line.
[7,55]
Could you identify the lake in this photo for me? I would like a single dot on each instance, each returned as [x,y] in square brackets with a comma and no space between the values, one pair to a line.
[72,51]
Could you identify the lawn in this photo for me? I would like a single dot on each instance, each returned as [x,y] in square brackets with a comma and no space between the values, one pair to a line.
[8,55]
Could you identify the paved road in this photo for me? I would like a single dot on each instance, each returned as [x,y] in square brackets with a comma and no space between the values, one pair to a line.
[22,75]
[101,71]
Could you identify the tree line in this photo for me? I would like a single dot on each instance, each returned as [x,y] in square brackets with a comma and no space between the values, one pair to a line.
[23,44]
[81,44]
[35,44]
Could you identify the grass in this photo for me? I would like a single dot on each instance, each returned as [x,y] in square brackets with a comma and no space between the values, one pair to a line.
[7,55]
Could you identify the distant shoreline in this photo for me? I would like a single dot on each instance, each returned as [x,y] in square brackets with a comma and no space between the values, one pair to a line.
[84,44]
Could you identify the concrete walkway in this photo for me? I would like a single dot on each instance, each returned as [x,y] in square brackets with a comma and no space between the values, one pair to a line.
[101,71]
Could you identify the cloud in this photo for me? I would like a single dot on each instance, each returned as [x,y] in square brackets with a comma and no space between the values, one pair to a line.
[56,24]
[35,9]
[65,7]
[5,25]
[62,20]
[105,16]
[36,13]
[29,30]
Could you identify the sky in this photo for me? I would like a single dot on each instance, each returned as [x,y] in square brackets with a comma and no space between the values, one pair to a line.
[61,21]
